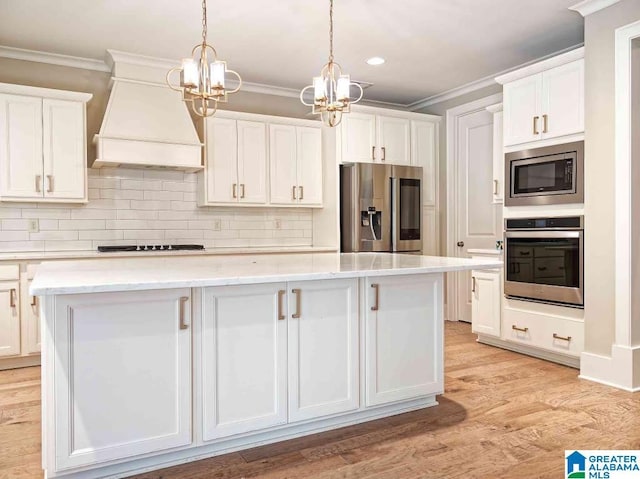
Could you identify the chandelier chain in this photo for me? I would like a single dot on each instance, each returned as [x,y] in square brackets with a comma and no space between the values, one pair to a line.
[331,31]
[204,22]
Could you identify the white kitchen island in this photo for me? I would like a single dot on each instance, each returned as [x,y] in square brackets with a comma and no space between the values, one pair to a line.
[151,362]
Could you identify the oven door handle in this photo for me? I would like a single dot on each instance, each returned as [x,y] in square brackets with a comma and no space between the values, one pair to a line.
[543,234]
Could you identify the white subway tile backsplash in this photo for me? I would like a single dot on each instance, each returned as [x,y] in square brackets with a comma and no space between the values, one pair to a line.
[132,206]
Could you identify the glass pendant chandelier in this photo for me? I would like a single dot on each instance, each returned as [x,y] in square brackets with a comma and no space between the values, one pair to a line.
[331,89]
[202,84]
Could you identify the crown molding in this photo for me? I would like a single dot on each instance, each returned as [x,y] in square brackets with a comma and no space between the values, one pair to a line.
[117,56]
[53,59]
[587,7]
[495,108]
[555,60]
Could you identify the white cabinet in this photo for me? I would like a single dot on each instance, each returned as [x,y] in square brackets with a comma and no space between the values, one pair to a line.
[121,359]
[244,359]
[236,166]
[424,153]
[546,104]
[369,137]
[295,154]
[486,300]
[42,145]
[323,348]
[29,314]
[403,337]
[9,318]
[498,153]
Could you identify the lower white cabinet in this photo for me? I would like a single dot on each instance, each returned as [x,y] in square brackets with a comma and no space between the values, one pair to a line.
[122,375]
[323,348]
[486,298]
[244,359]
[9,318]
[403,337]
[29,314]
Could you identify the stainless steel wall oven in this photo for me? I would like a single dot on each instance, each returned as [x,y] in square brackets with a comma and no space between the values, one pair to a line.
[544,260]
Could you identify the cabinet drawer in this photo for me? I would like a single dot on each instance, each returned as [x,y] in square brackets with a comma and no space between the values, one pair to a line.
[9,272]
[560,335]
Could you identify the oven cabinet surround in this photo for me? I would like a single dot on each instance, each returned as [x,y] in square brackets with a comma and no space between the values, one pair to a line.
[228,353]
[544,101]
[43,145]
[259,160]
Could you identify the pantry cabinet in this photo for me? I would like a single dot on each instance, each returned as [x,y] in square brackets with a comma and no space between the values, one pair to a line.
[42,145]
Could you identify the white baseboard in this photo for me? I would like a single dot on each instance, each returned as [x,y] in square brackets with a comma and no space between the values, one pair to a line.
[621,370]
[565,360]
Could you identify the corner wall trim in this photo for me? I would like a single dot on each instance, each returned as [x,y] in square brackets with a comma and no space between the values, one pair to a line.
[53,59]
[587,7]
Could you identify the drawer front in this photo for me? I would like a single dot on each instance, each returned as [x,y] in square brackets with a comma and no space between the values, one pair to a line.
[9,272]
[560,335]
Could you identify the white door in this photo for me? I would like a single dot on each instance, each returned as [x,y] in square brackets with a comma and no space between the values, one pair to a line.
[394,140]
[522,116]
[9,318]
[563,100]
[244,359]
[424,154]
[29,314]
[283,164]
[358,138]
[477,223]
[323,348]
[309,146]
[64,149]
[122,375]
[403,337]
[222,160]
[252,162]
[20,146]
[486,299]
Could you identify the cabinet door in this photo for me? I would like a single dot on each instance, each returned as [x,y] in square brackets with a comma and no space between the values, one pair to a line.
[358,138]
[20,146]
[9,318]
[394,140]
[323,348]
[403,331]
[283,163]
[424,153]
[244,355]
[521,107]
[29,316]
[122,375]
[64,149]
[563,100]
[498,158]
[309,146]
[485,302]
[222,160]
[252,162]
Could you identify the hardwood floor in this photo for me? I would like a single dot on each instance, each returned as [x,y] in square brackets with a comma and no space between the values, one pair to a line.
[503,415]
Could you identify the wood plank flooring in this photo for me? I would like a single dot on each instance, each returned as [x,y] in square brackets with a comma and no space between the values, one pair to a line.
[503,415]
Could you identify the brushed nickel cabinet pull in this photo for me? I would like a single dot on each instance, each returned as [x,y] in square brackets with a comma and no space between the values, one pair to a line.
[522,330]
[376,303]
[535,125]
[384,153]
[562,338]
[38,179]
[473,284]
[12,298]
[373,153]
[545,123]
[293,193]
[281,315]
[297,292]
[50,180]
[301,188]
[34,301]
[183,302]
[241,190]
[495,187]
[235,192]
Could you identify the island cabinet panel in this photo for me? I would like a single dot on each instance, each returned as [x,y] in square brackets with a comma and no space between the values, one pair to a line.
[122,375]
[323,348]
[403,337]
[244,359]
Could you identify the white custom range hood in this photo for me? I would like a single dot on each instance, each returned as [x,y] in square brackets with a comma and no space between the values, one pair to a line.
[146,125]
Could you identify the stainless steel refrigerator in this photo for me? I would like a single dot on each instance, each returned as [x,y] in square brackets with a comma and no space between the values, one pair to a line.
[380,208]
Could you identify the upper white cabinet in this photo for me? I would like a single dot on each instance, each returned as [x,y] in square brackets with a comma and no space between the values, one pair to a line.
[545,100]
[295,154]
[42,145]
[358,133]
[394,140]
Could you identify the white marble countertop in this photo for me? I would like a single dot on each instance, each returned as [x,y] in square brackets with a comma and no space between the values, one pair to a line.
[494,252]
[9,256]
[131,274]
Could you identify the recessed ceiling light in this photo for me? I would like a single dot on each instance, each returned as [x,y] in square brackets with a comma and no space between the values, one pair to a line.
[375,61]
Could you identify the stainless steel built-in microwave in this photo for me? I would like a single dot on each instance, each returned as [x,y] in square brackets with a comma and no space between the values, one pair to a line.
[545,176]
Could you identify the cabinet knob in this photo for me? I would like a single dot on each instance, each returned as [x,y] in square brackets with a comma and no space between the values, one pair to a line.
[535,125]
[301,188]
[373,153]
[460,244]
[38,180]
[50,180]
[298,312]
[293,193]
[183,302]
[376,298]
[545,123]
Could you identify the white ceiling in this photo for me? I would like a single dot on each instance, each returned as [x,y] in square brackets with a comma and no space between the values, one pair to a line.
[431,46]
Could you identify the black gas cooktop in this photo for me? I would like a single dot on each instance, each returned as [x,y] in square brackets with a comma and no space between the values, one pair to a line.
[157,247]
